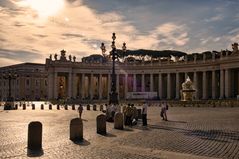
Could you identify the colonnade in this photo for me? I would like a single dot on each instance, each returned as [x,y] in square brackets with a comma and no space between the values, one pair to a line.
[209,84]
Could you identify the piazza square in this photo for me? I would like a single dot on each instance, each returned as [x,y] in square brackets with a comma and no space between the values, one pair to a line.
[140,79]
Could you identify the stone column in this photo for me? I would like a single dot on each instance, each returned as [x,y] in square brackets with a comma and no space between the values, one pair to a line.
[74,85]
[126,86]
[227,83]
[134,82]
[160,86]
[168,86]
[213,84]
[82,86]
[100,86]
[204,95]
[109,86]
[69,85]
[55,85]
[151,83]
[50,79]
[177,86]
[91,85]
[142,83]
[195,82]
[221,84]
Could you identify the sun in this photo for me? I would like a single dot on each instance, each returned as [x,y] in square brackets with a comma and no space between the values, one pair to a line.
[45,8]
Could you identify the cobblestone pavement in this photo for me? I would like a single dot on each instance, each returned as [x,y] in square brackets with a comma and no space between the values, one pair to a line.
[189,133]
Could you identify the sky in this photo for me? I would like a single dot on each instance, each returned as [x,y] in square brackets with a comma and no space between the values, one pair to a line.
[31,30]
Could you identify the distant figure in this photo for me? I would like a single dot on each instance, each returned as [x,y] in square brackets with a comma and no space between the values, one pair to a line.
[74,59]
[69,57]
[55,56]
[163,112]
[128,114]
[144,114]
[134,117]
[50,57]
[80,110]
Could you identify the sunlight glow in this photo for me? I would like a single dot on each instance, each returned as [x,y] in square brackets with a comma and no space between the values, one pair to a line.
[45,8]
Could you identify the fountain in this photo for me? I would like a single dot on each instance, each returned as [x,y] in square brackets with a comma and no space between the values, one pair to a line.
[187,92]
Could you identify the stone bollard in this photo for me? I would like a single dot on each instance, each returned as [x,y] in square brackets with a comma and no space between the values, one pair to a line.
[34,136]
[76,129]
[73,107]
[58,107]
[42,106]
[16,106]
[101,124]
[139,114]
[88,107]
[66,107]
[101,107]
[24,106]
[94,107]
[119,121]
[33,106]
[50,107]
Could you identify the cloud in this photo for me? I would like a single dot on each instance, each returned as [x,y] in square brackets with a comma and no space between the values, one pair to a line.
[214,18]
[19,55]
[80,27]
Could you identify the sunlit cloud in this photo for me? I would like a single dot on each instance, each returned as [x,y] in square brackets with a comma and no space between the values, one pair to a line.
[79,27]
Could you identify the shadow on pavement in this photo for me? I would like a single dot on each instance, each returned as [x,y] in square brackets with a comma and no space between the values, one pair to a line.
[34,153]
[109,135]
[81,142]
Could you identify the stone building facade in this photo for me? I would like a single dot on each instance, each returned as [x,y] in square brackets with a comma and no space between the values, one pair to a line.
[215,76]
[30,82]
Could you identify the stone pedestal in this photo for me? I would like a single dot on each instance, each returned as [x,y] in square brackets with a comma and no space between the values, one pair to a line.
[42,106]
[24,106]
[33,106]
[94,107]
[34,136]
[101,124]
[119,121]
[88,107]
[76,129]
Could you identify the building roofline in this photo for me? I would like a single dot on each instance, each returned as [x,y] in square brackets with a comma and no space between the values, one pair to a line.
[25,63]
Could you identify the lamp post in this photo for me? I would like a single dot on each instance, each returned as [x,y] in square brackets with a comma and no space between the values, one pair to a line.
[9,104]
[113,94]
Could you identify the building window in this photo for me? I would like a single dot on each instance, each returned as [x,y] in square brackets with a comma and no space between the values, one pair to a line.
[36,82]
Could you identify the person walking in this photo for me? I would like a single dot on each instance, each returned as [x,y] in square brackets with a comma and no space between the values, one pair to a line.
[80,110]
[144,114]
[163,113]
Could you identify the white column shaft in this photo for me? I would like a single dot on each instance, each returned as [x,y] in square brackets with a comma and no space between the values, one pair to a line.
[221,83]
[177,86]
[213,84]
[168,86]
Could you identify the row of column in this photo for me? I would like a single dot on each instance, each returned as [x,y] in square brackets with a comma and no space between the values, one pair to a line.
[222,83]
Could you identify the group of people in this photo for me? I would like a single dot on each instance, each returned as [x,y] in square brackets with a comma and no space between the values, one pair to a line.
[130,113]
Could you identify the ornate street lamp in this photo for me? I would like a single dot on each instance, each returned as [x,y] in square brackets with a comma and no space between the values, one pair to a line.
[9,104]
[113,53]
